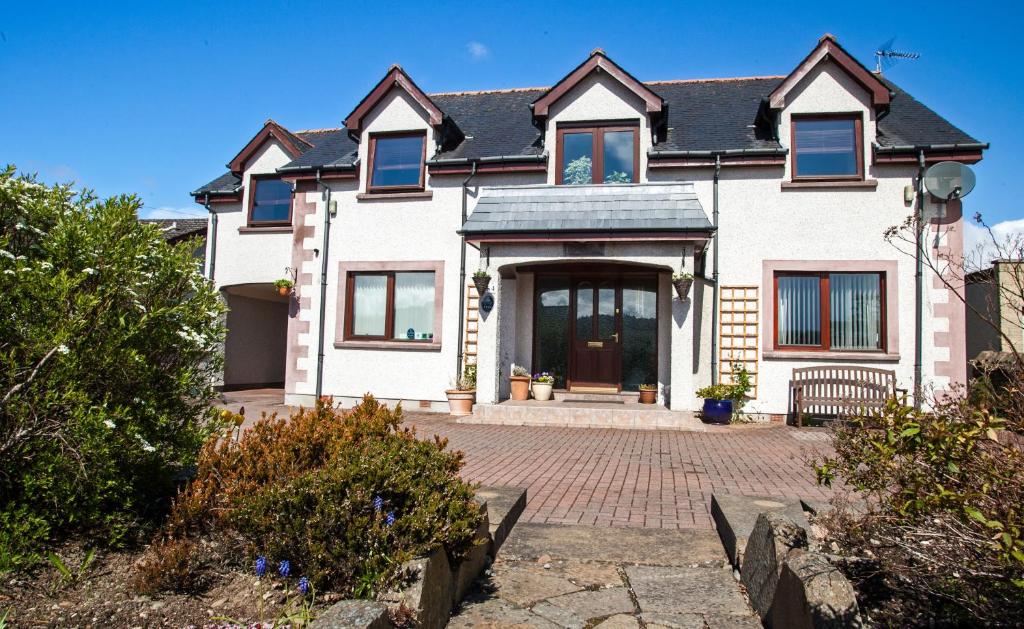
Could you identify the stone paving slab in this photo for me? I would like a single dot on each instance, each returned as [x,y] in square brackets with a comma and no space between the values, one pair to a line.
[616,545]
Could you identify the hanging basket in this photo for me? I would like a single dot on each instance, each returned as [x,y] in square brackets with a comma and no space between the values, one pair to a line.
[481,282]
[682,287]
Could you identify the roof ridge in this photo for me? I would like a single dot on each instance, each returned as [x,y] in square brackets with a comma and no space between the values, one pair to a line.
[324,130]
[507,90]
[717,79]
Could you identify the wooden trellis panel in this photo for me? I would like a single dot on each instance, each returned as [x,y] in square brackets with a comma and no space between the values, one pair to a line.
[472,325]
[739,312]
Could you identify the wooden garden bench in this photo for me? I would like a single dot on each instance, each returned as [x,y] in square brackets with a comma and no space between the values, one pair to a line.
[840,390]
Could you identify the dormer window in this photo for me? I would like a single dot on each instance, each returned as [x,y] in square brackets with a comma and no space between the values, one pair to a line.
[598,154]
[827,147]
[270,202]
[396,161]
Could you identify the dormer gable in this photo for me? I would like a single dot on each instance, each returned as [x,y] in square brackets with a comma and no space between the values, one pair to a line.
[396,78]
[290,143]
[828,49]
[597,62]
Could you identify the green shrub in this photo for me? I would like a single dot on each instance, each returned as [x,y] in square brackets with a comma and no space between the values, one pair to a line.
[304,489]
[940,538]
[105,366]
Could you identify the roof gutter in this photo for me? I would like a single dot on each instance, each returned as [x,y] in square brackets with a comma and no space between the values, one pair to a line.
[495,159]
[317,169]
[716,153]
[917,148]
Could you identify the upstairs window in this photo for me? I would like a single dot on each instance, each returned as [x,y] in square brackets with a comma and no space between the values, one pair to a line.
[830,311]
[607,154]
[827,147]
[396,161]
[270,202]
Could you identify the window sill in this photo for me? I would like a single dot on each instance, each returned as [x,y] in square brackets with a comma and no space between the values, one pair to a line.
[881,357]
[866,184]
[399,345]
[384,196]
[270,229]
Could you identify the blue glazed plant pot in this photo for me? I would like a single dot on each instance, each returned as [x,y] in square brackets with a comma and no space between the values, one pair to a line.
[717,411]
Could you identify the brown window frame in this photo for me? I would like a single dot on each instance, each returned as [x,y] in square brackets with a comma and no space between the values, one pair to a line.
[253,182]
[372,156]
[389,316]
[858,132]
[825,310]
[597,145]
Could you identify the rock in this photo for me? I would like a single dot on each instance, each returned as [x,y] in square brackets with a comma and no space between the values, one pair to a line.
[543,559]
[619,621]
[685,590]
[476,559]
[812,593]
[354,614]
[525,585]
[774,538]
[735,517]
[584,606]
[495,613]
[430,593]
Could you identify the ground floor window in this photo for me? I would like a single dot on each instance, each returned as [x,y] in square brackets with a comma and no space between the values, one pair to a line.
[391,305]
[829,311]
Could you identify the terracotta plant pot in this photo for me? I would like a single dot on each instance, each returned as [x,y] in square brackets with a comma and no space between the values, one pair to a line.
[520,387]
[460,403]
[648,396]
[481,284]
[542,391]
[683,288]
[283,290]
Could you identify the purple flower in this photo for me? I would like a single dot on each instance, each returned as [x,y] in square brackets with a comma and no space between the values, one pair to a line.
[378,503]
[284,568]
[390,519]
[304,586]
[261,565]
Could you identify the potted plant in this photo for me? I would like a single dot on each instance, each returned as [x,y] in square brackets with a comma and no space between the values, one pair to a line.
[481,279]
[463,393]
[682,282]
[721,400]
[284,287]
[542,385]
[648,393]
[520,380]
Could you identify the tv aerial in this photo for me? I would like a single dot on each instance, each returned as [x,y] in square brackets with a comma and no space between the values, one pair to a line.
[886,56]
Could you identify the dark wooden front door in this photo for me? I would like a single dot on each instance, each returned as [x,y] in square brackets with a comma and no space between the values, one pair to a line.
[596,334]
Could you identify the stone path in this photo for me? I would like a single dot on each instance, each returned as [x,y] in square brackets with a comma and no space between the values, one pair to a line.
[581,577]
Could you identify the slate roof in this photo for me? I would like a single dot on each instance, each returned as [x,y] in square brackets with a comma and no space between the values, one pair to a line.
[610,207]
[702,115]
[178,228]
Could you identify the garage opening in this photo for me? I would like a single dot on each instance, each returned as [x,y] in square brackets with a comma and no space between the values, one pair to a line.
[255,350]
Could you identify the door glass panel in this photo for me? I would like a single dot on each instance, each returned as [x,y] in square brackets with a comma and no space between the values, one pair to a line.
[552,349]
[584,311]
[577,158]
[639,334]
[618,156]
[605,312]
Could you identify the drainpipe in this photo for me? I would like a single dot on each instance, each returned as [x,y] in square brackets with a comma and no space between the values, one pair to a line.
[714,274]
[323,287]
[462,271]
[919,282]
[213,236]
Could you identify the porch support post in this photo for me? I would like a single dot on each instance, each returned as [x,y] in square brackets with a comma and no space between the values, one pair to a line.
[682,357]
[496,343]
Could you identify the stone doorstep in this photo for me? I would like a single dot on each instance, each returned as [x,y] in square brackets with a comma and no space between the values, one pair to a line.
[735,516]
[583,415]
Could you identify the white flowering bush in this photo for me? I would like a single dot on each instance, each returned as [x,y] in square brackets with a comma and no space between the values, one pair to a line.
[110,338]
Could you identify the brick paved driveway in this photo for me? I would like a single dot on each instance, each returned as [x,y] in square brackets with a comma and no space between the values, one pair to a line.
[612,477]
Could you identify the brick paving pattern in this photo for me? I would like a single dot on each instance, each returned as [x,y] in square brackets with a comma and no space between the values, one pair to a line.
[642,478]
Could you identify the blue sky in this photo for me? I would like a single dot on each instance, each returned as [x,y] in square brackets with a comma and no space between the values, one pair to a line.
[154,98]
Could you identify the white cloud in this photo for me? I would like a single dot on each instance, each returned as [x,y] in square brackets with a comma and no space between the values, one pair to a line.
[478,51]
[173,212]
[979,247]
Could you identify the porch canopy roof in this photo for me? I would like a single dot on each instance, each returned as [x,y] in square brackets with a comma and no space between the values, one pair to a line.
[658,211]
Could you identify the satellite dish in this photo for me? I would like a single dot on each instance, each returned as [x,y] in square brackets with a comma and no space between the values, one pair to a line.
[949,180]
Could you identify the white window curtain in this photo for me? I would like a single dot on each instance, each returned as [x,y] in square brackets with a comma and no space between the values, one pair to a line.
[414,305]
[370,308]
[799,310]
[855,302]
